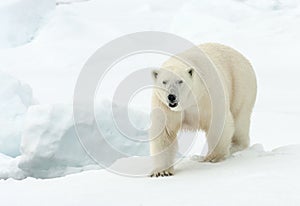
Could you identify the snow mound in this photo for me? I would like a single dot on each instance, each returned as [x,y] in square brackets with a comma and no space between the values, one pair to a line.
[20,20]
[50,146]
[49,141]
[15,98]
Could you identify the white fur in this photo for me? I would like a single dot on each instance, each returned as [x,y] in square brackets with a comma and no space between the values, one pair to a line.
[240,86]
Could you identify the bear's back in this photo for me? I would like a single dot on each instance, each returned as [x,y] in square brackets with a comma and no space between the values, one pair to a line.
[238,73]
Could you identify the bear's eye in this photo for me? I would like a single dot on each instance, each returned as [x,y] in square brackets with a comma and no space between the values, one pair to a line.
[164,82]
[179,82]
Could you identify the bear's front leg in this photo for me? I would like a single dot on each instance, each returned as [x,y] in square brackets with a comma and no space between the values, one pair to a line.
[163,138]
[163,150]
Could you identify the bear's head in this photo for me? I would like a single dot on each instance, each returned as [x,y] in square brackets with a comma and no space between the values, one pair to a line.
[173,86]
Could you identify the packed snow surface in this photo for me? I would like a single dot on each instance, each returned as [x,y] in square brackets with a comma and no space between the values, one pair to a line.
[252,177]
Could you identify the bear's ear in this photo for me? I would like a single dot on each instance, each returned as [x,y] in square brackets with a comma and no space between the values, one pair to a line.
[154,74]
[190,71]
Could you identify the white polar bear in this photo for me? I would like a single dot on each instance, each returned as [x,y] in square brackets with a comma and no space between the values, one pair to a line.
[180,93]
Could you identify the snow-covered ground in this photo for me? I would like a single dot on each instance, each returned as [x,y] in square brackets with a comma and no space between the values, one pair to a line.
[253,177]
[45,43]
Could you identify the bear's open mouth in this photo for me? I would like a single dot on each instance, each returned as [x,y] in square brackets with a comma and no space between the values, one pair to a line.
[172,105]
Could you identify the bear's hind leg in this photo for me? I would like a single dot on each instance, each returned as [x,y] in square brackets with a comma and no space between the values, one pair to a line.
[219,150]
[241,139]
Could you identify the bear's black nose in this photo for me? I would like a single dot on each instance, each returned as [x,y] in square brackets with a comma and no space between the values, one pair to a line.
[171,97]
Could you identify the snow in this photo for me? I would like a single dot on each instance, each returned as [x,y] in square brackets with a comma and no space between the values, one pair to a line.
[22,28]
[15,98]
[45,43]
[252,177]
[9,168]
[49,142]
[50,146]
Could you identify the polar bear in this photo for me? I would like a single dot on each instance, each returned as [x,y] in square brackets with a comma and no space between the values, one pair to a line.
[180,93]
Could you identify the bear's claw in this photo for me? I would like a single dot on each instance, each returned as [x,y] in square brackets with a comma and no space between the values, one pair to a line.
[162,173]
